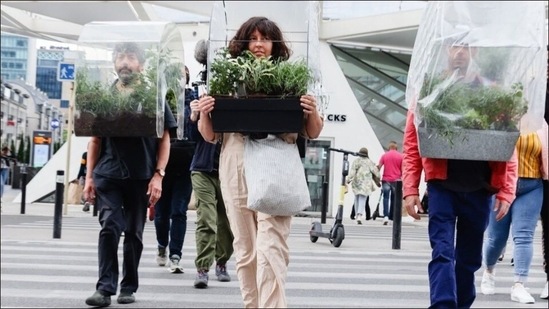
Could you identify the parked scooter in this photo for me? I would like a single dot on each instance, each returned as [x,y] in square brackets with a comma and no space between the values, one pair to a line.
[337,232]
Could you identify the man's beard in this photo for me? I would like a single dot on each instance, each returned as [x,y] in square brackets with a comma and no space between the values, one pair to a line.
[127,78]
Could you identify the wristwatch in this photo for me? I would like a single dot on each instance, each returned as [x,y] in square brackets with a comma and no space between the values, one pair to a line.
[161,172]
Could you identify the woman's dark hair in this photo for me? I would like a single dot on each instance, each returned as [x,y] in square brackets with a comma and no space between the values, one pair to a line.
[266,27]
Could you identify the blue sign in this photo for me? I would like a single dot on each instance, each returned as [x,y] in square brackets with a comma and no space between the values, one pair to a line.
[65,72]
[54,123]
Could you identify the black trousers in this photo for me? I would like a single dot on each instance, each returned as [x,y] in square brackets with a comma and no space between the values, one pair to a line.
[122,208]
[367,209]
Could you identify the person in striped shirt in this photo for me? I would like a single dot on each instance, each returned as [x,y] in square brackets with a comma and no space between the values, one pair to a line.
[522,218]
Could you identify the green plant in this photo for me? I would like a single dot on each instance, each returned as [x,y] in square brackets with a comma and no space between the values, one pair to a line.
[21,149]
[12,147]
[26,158]
[104,100]
[252,75]
[56,146]
[446,108]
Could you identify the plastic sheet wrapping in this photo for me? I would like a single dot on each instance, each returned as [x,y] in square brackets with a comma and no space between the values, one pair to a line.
[477,77]
[298,21]
[479,65]
[138,109]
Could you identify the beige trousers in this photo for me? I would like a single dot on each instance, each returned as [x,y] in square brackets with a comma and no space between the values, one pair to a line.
[260,240]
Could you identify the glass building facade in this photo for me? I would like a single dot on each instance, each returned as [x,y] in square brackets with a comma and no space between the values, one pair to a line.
[46,72]
[14,55]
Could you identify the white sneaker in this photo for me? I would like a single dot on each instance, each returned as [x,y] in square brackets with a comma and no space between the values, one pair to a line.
[161,257]
[385,220]
[174,265]
[544,293]
[488,283]
[359,219]
[519,294]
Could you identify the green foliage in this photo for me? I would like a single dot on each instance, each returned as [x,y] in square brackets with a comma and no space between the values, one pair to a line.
[56,146]
[493,62]
[12,147]
[258,75]
[104,100]
[173,74]
[26,158]
[462,106]
[21,149]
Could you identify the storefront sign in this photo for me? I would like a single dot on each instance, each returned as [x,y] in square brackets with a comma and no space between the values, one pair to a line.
[336,117]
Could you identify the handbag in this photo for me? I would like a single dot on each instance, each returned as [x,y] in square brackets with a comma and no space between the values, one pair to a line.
[74,194]
[275,177]
[376,180]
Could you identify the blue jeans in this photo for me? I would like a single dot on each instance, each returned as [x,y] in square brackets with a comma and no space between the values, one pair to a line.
[388,190]
[463,216]
[3,180]
[173,205]
[521,220]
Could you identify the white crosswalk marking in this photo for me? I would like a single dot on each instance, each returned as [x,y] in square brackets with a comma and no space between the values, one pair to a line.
[363,272]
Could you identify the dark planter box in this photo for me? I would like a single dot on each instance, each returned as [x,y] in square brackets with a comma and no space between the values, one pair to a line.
[271,115]
[481,145]
[122,125]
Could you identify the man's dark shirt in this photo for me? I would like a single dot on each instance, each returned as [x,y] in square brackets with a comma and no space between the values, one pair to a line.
[131,157]
[467,176]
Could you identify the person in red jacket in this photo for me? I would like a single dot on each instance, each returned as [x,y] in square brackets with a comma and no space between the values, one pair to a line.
[460,194]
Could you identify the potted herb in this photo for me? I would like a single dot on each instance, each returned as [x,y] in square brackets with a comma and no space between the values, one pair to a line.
[147,59]
[467,121]
[102,110]
[257,94]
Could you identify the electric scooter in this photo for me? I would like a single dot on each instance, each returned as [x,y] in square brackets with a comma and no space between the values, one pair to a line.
[337,232]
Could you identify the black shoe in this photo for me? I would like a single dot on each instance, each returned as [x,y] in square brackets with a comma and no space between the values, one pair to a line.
[86,207]
[125,298]
[201,279]
[99,299]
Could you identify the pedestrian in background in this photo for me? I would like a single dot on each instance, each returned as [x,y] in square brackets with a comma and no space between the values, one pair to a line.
[391,162]
[361,177]
[82,179]
[522,219]
[124,176]
[545,207]
[5,167]
[260,240]
[170,213]
[214,238]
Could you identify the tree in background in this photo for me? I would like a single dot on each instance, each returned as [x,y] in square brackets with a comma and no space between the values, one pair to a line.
[21,149]
[12,147]
[56,146]
[26,159]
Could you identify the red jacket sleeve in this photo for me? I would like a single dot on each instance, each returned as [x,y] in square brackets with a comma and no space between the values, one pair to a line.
[505,176]
[411,161]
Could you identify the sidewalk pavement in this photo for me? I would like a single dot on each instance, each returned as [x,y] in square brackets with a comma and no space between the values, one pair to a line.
[35,209]
[355,235]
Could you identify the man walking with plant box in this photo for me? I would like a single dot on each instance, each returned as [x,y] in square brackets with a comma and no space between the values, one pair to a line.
[124,176]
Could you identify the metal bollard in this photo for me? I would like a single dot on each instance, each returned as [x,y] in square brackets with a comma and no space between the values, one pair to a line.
[397,213]
[57,215]
[23,170]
